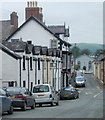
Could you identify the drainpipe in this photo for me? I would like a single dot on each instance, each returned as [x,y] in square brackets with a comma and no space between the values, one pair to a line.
[66,68]
[47,71]
[35,71]
[20,71]
[43,71]
[103,72]
[58,75]
[28,74]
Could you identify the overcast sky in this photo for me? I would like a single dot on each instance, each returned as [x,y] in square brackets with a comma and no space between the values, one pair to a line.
[85,19]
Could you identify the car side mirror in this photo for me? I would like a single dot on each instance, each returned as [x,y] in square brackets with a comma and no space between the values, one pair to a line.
[7,94]
[76,89]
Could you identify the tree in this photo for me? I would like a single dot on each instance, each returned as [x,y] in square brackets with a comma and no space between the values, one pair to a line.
[85,51]
[98,52]
[75,51]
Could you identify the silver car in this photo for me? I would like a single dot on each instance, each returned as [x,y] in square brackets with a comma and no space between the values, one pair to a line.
[45,94]
[80,81]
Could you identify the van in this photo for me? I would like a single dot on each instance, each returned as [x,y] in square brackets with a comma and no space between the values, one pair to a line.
[45,94]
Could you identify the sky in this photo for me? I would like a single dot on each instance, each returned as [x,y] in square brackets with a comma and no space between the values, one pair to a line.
[85,19]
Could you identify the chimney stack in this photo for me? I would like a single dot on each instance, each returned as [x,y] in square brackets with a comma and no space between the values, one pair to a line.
[14,20]
[33,10]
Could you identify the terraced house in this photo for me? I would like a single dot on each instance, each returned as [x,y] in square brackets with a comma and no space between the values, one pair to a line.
[45,56]
[99,68]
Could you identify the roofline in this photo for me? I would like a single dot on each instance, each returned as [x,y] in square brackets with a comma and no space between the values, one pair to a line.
[9,52]
[43,25]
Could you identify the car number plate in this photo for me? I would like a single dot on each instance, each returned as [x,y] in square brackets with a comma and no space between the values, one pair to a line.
[66,95]
[41,95]
[11,96]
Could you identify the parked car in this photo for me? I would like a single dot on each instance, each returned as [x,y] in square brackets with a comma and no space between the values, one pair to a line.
[6,104]
[69,92]
[21,97]
[80,81]
[45,94]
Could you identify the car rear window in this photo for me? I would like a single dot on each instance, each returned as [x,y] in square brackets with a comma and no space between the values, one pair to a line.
[79,79]
[15,90]
[68,88]
[41,88]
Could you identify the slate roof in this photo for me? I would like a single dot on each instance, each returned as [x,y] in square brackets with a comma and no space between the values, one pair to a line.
[9,52]
[101,57]
[16,46]
[40,23]
[59,30]
[6,29]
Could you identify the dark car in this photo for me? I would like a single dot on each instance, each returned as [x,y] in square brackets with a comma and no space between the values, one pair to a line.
[69,92]
[6,104]
[21,97]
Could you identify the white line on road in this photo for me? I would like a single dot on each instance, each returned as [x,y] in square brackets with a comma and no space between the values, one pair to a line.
[97,94]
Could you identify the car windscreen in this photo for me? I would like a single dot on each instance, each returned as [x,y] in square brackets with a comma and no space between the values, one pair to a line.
[79,79]
[15,90]
[41,88]
[68,88]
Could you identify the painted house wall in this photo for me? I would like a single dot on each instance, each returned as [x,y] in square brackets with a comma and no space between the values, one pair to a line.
[9,69]
[34,32]
[39,36]
[84,61]
[0,68]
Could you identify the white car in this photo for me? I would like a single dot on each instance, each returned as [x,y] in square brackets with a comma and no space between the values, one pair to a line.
[45,94]
[80,81]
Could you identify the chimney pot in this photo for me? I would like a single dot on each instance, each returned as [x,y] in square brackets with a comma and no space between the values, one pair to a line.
[27,4]
[30,4]
[35,3]
[40,10]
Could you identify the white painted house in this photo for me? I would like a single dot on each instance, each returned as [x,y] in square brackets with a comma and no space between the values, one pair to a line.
[85,62]
[35,31]
[40,35]
[9,74]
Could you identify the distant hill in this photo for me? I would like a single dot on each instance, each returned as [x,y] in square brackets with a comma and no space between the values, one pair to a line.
[91,46]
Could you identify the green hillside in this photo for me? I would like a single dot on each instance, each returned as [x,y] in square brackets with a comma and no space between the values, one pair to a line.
[91,46]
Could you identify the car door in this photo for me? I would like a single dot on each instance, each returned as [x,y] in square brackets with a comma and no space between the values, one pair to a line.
[28,97]
[54,94]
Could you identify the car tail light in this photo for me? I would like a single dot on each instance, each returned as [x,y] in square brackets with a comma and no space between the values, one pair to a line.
[20,96]
[72,91]
[50,96]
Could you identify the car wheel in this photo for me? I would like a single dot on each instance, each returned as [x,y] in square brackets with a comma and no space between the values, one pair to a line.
[75,96]
[24,107]
[52,103]
[33,106]
[78,96]
[11,110]
[57,103]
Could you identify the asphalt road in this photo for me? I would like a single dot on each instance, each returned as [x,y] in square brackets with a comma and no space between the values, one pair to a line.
[89,105]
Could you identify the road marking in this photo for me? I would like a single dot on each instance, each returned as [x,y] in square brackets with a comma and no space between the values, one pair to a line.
[88,93]
[97,94]
[98,87]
